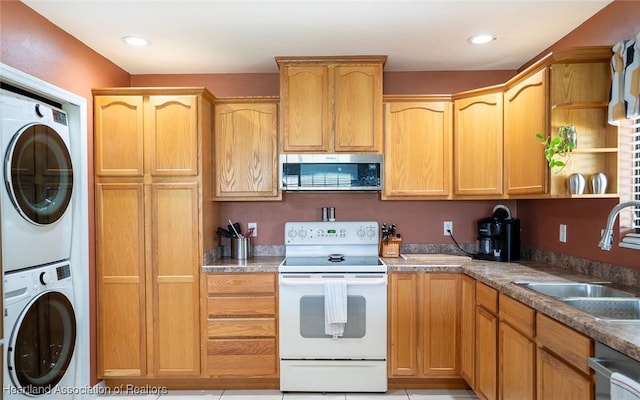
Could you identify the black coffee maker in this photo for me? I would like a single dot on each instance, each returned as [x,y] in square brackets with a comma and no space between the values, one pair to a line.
[499,236]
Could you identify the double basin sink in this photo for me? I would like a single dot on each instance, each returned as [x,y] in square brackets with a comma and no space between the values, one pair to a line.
[603,302]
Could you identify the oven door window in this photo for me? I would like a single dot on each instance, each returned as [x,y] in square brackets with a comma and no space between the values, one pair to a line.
[312,317]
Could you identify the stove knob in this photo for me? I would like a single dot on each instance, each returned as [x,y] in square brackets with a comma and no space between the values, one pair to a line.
[370,232]
[45,278]
[360,233]
[302,233]
[292,233]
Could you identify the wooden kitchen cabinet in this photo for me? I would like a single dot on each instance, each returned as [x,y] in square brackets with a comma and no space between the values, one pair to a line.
[424,326]
[331,104]
[569,87]
[418,147]
[517,350]
[525,114]
[242,325]
[246,149]
[468,329]
[562,361]
[152,225]
[579,95]
[478,144]
[486,367]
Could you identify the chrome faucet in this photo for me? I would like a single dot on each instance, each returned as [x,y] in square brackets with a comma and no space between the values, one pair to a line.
[607,235]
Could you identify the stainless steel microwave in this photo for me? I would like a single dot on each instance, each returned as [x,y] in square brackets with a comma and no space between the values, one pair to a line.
[331,172]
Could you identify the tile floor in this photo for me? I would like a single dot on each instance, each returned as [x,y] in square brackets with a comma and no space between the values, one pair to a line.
[409,394]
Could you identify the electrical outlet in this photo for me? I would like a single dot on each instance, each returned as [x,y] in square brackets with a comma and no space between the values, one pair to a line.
[448,228]
[563,233]
[253,225]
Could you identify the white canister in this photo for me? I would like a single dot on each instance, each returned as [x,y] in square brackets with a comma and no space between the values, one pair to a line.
[598,183]
[576,183]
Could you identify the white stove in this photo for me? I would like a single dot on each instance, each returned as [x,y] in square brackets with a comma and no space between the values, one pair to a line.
[314,356]
[339,246]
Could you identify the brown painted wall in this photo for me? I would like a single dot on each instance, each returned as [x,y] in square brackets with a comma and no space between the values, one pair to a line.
[33,45]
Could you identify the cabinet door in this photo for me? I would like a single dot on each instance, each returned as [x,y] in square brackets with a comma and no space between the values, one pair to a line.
[119,135]
[558,381]
[417,150]
[246,153]
[478,145]
[517,365]
[403,306]
[441,333]
[486,354]
[306,110]
[171,124]
[120,263]
[468,330]
[525,114]
[175,265]
[358,108]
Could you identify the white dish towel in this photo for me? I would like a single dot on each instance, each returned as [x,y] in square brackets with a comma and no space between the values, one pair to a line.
[335,307]
[624,388]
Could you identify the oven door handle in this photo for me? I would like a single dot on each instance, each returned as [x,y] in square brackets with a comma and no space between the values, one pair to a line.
[319,282]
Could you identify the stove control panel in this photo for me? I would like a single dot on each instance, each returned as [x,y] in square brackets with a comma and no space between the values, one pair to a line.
[334,232]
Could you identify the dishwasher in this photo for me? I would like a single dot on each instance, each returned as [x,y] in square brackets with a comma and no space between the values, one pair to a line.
[608,361]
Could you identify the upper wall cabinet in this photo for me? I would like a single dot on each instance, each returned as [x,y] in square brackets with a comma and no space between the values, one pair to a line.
[246,149]
[417,143]
[579,96]
[153,133]
[564,88]
[477,144]
[525,114]
[331,104]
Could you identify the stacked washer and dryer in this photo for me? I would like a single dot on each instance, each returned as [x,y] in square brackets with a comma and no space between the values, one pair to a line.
[36,211]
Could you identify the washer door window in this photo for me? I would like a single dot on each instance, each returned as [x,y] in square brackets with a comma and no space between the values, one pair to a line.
[38,174]
[42,345]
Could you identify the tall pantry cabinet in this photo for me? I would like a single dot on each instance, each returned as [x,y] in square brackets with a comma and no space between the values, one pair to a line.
[153,221]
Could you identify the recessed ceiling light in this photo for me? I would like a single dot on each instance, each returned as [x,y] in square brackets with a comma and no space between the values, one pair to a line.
[136,41]
[481,38]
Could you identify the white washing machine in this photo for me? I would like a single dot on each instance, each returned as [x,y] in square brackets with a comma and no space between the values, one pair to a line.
[38,182]
[40,333]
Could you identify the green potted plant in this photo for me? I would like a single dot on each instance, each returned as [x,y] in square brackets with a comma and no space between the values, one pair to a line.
[557,148]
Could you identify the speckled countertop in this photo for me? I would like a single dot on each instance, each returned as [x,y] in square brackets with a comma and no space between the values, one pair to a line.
[624,337]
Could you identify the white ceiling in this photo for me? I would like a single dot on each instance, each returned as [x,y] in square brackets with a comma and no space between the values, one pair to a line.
[240,36]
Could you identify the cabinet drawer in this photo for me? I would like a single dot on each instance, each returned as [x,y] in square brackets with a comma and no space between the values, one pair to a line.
[236,306]
[241,327]
[518,315]
[487,297]
[572,346]
[242,357]
[241,283]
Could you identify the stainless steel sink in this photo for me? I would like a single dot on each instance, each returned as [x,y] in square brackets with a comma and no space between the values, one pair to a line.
[563,290]
[609,309]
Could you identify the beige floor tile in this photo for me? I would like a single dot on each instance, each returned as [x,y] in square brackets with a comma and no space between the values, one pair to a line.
[192,394]
[389,395]
[252,395]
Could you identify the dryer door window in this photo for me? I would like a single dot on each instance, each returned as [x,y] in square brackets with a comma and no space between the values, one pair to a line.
[38,174]
[42,345]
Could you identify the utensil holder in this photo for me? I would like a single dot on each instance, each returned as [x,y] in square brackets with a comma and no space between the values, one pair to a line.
[241,248]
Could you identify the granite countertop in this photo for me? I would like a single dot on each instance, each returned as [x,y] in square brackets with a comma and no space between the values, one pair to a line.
[624,337]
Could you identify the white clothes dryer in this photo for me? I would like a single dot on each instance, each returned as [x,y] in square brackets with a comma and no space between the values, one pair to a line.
[40,333]
[38,182]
